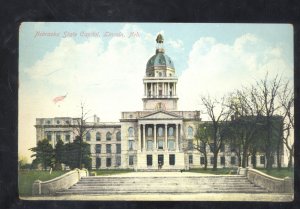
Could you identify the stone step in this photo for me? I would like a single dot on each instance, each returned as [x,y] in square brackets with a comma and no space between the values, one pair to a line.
[159,183]
[70,192]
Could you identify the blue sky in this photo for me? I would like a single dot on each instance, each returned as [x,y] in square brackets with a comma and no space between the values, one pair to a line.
[209,58]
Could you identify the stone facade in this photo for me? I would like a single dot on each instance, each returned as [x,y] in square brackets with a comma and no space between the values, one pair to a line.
[159,137]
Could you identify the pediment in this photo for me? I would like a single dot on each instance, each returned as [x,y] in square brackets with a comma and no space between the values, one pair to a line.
[161,115]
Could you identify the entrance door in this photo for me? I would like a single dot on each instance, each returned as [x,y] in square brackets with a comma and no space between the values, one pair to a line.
[160,161]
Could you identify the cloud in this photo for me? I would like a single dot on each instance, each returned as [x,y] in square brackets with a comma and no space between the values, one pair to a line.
[107,78]
[176,44]
[217,68]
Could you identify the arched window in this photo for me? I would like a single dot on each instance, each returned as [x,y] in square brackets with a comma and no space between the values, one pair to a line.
[171,131]
[190,131]
[108,136]
[118,136]
[160,131]
[130,132]
[149,133]
[98,136]
[88,136]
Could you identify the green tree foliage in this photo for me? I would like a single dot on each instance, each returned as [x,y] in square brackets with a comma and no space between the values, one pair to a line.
[59,154]
[72,153]
[44,153]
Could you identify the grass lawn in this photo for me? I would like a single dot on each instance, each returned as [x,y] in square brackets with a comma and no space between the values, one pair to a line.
[219,171]
[27,177]
[107,172]
[284,172]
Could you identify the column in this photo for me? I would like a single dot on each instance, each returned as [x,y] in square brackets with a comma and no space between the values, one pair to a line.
[151,86]
[144,138]
[175,89]
[163,89]
[154,131]
[166,137]
[156,89]
[145,89]
[181,134]
[139,138]
[168,89]
[177,144]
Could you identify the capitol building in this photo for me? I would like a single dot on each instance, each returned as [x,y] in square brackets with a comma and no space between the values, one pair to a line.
[159,137]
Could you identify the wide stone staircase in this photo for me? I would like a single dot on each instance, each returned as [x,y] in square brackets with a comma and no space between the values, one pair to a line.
[94,185]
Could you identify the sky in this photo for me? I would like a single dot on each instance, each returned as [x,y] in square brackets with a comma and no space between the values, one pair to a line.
[103,64]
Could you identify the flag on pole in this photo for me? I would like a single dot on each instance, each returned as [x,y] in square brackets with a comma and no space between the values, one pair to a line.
[59,98]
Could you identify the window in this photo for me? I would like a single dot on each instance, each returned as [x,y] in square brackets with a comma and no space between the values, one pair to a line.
[233,160]
[149,131]
[160,144]
[262,159]
[98,136]
[212,147]
[58,137]
[108,148]
[202,147]
[253,159]
[130,132]
[67,122]
[202,160]
[118,136]
[57,122]
[212,160]
[190,132]
[171,131]
[149,160]
[171,144]
[118,148]
[88,136]
[160,159]
[108,136]
[108,162]
[222,160]
[171,159]
[67,137]
[98,162]
[49,136]
[160,131]
[190,159]
[130,160]
[118,161]
[48,122]
[130,144]
[222,148]
[190,144]
[98,148]
[149,145]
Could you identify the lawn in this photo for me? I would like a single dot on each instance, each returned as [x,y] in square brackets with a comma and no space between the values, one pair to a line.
[284,172]
[27,177]
[107,172]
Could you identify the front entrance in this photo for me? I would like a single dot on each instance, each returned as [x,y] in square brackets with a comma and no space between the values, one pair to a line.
[160,161]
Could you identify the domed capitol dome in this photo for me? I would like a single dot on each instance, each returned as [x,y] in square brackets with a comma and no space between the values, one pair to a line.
[160,64]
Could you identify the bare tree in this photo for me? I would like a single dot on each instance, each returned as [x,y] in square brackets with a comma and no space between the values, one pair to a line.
[286,98]
[218,113]
[267,94]
[80,129]
[203,133]
[247,115]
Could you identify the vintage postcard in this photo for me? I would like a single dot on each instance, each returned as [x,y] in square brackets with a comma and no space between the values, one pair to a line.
[156,111]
